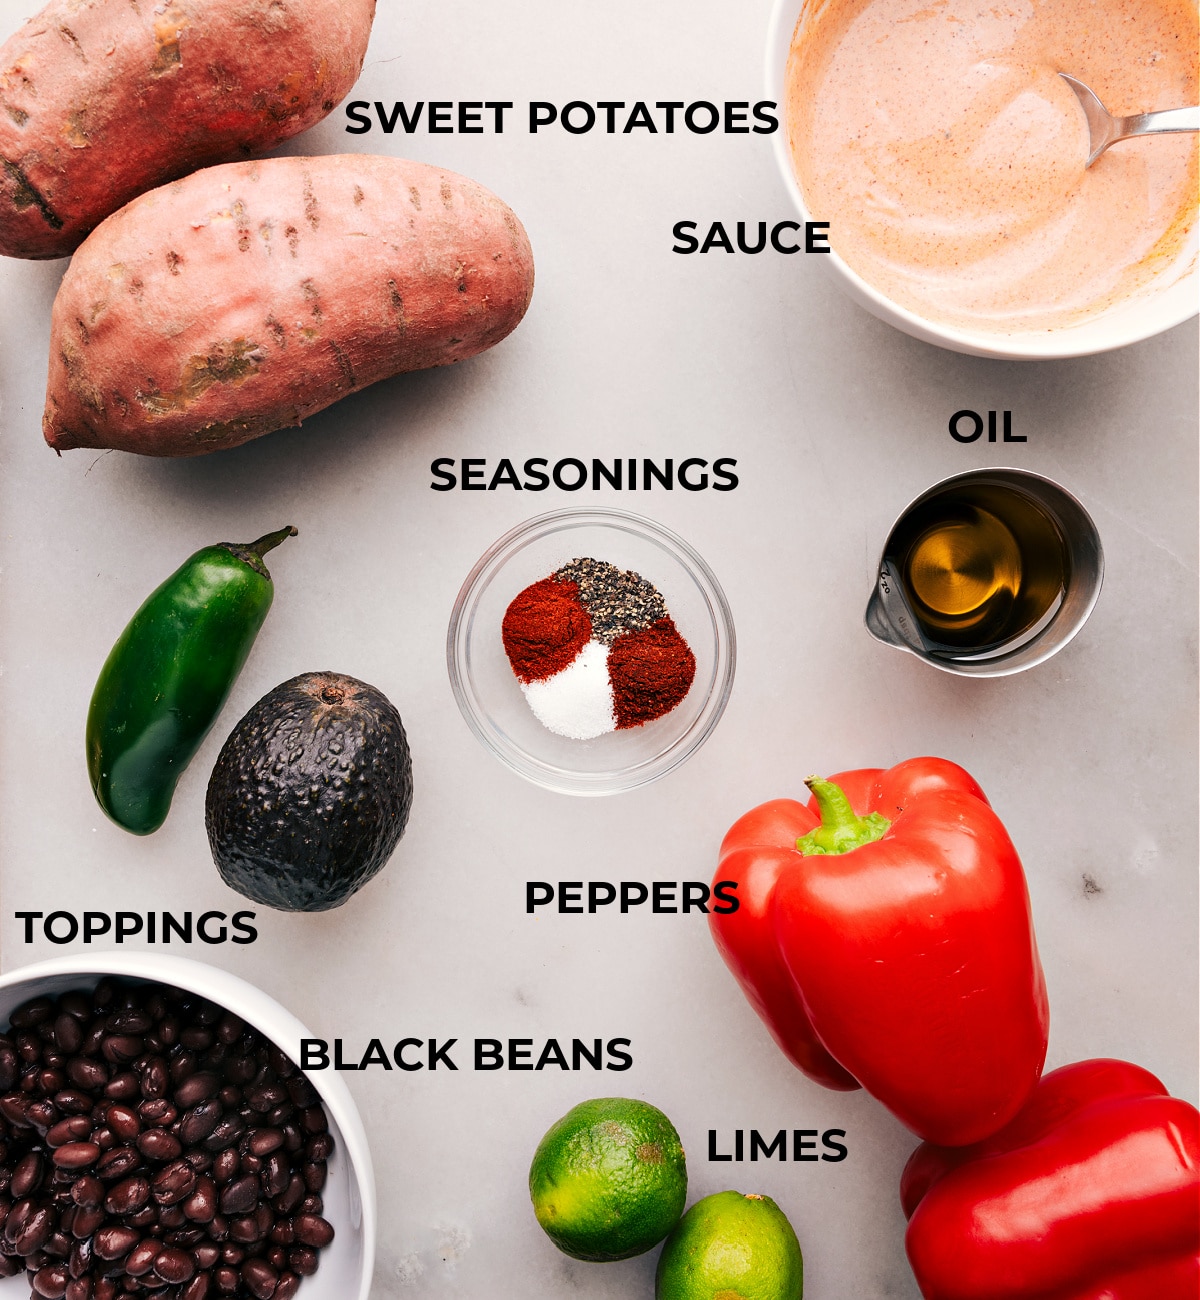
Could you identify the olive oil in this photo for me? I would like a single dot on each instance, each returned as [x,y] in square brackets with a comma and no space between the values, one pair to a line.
[982,566]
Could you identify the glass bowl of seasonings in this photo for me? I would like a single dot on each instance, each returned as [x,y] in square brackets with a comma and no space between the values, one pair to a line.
[592,651]
[157,1137]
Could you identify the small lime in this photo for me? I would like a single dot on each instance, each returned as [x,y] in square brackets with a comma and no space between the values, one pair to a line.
[731,1247]
[608,1181]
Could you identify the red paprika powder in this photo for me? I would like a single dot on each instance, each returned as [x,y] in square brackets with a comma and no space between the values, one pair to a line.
[544,628]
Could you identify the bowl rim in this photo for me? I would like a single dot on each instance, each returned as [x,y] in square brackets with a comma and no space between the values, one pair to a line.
[549,776]
[1083,339]
[247,1000]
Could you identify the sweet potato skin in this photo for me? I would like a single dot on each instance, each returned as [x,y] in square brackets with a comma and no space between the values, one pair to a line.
[101,100]
[245,297]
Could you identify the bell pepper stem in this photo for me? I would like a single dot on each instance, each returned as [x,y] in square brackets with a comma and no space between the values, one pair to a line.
[841,829]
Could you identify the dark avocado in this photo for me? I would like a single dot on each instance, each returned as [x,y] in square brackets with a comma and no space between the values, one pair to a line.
[310,793]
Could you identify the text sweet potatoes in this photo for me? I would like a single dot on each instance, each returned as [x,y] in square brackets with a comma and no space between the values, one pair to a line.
[103,99]
[245,297]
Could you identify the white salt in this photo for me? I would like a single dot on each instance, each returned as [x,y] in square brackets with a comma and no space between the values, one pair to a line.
[577,702]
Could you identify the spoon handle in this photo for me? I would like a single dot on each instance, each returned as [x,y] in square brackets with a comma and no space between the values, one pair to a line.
[1169,119]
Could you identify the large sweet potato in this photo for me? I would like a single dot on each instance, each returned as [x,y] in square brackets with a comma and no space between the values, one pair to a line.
[103,99]
[245,297]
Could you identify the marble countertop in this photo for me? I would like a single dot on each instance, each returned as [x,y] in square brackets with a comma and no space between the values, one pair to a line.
[836,421]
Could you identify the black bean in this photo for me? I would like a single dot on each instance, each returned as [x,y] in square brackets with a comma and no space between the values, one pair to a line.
[280,1062]
[159,1145]
[244,1230]
[124,1121]
[157,1113]
[77,1155]
[201,1205]
[13,1109]
[70,1101]
[51,1282]
[113,1241]
[283,1233]
[41,1115]
[27,1176]
[227,1280]
[118,1163]
[68,1032]
[128,1196]
[135,1020]
[87,1191]
[31,1013]
[140,1259]
[228,1130]
[175,1183]
[265,1140]
[143,1219]
[319,1147]
[289,1284]
[302,1260]
[174,1265]
[75,1128]
[197,1088]
[87,1073]
[87,1219]
[123,1086]
[240,1195]
[93,1038]
[80,1261]
[276,1175]
[121,1049]
[260,1278]
[155,1078]
[312,1230]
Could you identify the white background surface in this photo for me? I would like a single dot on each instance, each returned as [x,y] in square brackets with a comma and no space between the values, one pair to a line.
[836,421]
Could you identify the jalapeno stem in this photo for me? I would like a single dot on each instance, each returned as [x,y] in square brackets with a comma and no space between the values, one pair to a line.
[271,541]
[252,554]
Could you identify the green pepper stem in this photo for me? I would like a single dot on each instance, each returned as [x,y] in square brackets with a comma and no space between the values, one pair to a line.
[271,541]
[252,554]
[841,829]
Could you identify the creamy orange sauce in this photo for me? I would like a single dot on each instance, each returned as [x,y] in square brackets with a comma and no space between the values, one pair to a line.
[938,140]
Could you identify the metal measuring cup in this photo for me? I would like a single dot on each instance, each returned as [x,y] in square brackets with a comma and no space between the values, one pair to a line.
[890,617]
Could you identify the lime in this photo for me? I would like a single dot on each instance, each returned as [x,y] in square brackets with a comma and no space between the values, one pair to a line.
[731,1247]
[608,1181]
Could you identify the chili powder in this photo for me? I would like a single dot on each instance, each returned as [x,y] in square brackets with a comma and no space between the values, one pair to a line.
[651,671]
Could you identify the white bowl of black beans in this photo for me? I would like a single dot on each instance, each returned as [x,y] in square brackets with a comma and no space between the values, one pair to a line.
[157,1139]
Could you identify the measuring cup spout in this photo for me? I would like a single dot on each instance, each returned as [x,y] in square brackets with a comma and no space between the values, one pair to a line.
[889,618]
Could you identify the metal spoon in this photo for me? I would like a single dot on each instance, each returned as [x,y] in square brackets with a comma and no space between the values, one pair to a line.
[1104,129]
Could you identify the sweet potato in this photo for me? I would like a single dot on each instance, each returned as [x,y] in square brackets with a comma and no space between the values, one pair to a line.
[103,99]
[245,297]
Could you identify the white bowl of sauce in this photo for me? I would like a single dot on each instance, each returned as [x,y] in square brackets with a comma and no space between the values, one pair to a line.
[938,141]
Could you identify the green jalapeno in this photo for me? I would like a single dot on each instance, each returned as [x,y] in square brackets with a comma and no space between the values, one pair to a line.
[165,680]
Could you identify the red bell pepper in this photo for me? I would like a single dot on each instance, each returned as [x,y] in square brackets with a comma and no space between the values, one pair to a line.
[1091,1193]
[884,935]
